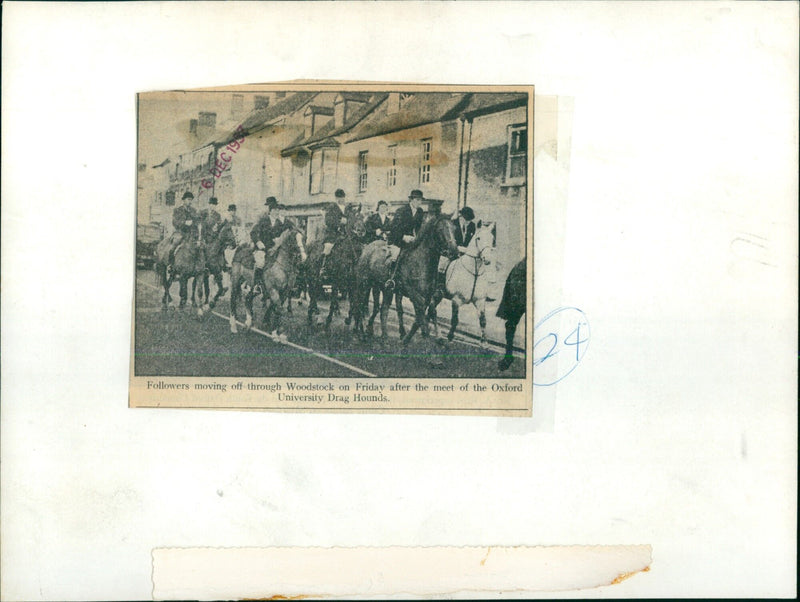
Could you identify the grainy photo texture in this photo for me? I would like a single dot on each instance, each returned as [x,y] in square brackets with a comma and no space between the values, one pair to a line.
[334,247]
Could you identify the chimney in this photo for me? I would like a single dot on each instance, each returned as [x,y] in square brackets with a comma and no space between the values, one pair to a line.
[393,103]
[193,127]
[208,120]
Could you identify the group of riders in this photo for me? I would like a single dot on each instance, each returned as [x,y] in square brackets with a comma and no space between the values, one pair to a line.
[396,234]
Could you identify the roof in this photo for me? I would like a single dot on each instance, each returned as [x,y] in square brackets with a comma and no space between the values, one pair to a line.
[356,96]
[325,136]
[483,103]
[259,118]
[432,107]
[421,109]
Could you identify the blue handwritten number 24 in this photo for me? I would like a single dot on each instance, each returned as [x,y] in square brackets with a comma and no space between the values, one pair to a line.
[576,341]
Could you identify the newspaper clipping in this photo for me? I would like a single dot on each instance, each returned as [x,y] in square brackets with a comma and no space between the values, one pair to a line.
[335,247]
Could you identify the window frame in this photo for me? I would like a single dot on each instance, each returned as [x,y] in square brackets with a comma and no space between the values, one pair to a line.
[425,155]
[511,155]
[391,172]
[363,180]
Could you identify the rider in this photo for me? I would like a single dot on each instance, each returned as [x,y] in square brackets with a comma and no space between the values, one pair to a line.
[184,220]
[280,224]
[404,229]
[377,225]
[334,223]
[464,231]
[261,234]
[231,221]
[211,220]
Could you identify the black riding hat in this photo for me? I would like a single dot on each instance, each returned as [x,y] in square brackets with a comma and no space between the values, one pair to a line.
[467,213]
[415,194]
[339,194]
[213,201]
[271,202]
[231,207]
[187,195]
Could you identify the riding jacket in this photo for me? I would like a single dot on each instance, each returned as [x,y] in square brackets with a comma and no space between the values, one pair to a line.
[463,238]
[262,231]
[333,223]
[212,221]
[405,223]
[180,216]
[376,223]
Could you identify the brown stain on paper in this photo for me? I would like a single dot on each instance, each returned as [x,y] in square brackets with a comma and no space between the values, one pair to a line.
[623,576]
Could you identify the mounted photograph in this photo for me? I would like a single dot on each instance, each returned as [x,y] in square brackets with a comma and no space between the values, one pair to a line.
[346,247]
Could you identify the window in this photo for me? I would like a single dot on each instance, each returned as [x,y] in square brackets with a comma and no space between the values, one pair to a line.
[362,171]
[517,162]
[315,185]
[425,162]
[323,171]
[391,174]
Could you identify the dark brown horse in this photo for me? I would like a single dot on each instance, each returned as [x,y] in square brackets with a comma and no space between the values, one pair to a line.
[188,263]
[512,307]
[215,248]
[415,276]
[276,281]
[338,271]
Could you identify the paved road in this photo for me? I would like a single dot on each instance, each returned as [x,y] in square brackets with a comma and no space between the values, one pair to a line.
[177,342]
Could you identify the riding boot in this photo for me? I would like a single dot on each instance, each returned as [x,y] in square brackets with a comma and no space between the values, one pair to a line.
[322,267]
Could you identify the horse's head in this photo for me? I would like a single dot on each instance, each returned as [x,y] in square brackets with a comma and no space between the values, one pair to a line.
[482,241]
[291,241]
[445,231]
[355,227]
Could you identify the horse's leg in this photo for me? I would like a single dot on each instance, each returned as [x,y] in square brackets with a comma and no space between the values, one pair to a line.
[277,315]
[376,308]
[184,293]
[511,329]
[480,305]
[248,309]
[234,299]
[454,304]
[333,307]
[432,317]
[419,320]
[387,303]
[398,303]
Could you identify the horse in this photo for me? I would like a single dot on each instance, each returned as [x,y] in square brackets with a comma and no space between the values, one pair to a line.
[216,262]
[188,262]
[466,281]
[276,281]
[414,277]
[512,307]
[338,267]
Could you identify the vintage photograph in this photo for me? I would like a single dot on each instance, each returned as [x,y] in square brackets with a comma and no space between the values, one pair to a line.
[334,231]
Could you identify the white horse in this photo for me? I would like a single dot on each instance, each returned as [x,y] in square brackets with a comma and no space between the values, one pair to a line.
[468,279]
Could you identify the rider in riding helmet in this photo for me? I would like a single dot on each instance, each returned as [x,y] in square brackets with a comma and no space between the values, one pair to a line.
[211,220]
[261,234]
[406,224]
[377,225]
[334,225]
[184,220]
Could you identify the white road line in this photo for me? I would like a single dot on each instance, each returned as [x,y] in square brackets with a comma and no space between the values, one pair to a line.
[288,343]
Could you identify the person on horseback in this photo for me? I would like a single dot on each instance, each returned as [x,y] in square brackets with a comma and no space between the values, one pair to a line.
[211,220]
[378,223]
[261,234]
[280,224]
[335,221]
[404,228]
[185,222]
[464,231]
[231,221]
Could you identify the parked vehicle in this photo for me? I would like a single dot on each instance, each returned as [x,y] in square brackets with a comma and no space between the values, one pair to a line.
[147,238]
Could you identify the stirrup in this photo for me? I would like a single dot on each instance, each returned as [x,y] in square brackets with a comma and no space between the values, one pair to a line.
[389,284]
